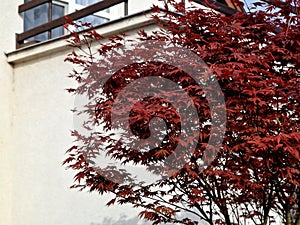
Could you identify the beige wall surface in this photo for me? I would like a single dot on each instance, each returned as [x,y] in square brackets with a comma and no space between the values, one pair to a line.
[41,134]
[35,132]
[10,22]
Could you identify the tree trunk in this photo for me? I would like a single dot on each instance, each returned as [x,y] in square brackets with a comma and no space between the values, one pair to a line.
[288,217]
[298,219]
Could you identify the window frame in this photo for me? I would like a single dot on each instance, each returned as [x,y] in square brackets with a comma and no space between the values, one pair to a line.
[39,37]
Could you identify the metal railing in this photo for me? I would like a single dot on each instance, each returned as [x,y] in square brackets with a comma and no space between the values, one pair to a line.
[22,38]
[51,24]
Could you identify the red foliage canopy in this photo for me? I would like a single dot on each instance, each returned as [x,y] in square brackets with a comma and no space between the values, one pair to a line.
[255,59]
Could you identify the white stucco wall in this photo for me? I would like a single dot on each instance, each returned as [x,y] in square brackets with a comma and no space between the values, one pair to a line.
[41,131]
[35,132]
[135,6]
[10,23]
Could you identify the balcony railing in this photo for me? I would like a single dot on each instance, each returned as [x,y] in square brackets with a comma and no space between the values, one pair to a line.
[51,24]
[27,37]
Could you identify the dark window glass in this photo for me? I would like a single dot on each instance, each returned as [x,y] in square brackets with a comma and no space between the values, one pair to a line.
[94,20]
[38,16]
[35,17]
[86,2]
[57,12]
[89,2]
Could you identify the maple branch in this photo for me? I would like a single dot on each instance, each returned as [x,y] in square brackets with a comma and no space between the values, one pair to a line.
[281,204]
[204,215]
[285,205]
[210,210]
[235,211]
[249,212]
[214,197]
[169,203]
[223,206]
[281,4]
[197,206]
[168,217]
[267,204]
[206,186]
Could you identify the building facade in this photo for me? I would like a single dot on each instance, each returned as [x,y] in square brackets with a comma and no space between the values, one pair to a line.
[36,119]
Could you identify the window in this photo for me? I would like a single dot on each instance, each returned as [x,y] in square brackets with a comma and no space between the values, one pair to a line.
[57,11]
[40,15]
[37,14]
[86,2]
[95,19]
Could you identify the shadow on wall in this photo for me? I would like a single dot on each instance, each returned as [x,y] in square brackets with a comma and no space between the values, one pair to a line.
[123,220]
[126,220]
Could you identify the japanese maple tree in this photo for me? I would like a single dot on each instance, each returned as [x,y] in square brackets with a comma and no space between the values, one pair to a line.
[255,58]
